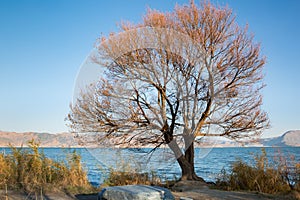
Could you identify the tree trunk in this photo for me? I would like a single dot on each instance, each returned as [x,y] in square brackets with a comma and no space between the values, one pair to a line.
[186,163]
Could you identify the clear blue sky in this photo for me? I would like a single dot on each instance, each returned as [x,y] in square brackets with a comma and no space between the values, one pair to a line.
[43,43]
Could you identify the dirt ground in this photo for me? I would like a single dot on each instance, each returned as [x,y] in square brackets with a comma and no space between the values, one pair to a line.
[189,190]
[198,191]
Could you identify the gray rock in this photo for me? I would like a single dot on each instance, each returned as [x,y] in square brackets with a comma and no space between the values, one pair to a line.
[135,192]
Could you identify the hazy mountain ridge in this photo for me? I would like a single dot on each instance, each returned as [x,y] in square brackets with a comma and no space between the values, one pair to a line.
[45,139]
[290,138]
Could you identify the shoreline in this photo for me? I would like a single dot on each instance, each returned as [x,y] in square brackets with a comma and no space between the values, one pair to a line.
[204,147]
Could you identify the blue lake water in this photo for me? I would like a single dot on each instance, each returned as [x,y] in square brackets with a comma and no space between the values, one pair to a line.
[208,162]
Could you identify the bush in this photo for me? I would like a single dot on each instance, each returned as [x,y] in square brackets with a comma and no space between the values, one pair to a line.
[130,173]
[261,176]
[117,178]
[30,170]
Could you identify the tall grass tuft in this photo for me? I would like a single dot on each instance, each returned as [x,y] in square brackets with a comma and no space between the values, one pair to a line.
[262,176]
[30,170]
[129,172]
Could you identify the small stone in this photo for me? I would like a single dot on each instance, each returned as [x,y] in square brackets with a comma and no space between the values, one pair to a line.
[185,198]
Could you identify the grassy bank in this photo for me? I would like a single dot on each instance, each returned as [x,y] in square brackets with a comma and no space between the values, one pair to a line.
[29,170]
[281,175]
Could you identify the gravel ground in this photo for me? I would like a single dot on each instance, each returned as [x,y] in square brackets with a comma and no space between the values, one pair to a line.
[189,189]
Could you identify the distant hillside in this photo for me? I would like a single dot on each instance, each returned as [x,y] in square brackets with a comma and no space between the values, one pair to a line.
[289,138]
[45,139]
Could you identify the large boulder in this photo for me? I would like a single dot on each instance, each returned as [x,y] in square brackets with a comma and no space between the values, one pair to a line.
[135,192]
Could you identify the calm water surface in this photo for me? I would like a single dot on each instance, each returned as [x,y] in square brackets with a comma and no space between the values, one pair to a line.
[208,162]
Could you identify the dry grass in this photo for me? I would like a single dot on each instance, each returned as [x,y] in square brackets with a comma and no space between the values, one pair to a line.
[280,176]
[130,173]
[29,170]
[117,178]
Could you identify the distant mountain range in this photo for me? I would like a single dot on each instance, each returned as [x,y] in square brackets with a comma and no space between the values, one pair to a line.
[45,139]
[290,138]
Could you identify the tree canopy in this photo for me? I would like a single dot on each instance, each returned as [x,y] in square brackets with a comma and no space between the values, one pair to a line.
[173,78]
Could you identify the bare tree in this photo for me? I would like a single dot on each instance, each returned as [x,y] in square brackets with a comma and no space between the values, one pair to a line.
[176,77]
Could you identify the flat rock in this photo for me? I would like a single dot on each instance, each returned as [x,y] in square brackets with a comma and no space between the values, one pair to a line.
[183,186]
[135,192]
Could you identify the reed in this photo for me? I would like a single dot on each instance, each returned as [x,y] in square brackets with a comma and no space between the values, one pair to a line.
[30,170]
[281,175]
[129,172]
